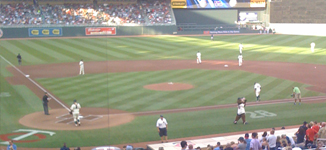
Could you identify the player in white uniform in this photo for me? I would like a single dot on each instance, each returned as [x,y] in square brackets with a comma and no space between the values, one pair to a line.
[241,110]
[212,37]
[312,46]
[198,57]
[75,112]
[240,48]
[240,60]
[81,67]
[257,88]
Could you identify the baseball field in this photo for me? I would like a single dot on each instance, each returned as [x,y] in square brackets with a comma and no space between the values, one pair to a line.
[130,81]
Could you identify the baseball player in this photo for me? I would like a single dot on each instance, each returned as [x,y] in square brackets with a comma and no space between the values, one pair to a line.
[240,60]
[75,112]
[212,37]
[257,88]
[296,95]
[241,110]
[19,58]
[240,48]
[198,57]
[45,100]
[81,67]
[312,46]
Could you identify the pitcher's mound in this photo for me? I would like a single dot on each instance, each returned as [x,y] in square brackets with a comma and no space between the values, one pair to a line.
[92,118]
[169,86]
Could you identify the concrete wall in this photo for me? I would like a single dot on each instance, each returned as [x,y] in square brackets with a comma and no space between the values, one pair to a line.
[299,29]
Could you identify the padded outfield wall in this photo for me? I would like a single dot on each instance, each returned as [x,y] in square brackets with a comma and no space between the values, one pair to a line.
[37,32]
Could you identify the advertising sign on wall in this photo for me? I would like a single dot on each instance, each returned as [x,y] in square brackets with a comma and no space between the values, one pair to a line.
[44,32]
[100,31]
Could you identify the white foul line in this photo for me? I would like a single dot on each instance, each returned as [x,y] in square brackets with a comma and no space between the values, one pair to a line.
[64,106]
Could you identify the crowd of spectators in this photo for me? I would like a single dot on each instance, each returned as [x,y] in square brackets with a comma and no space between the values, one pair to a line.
[140,13]
[305,138]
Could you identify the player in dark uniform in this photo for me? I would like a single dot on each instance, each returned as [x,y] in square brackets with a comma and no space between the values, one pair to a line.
[45,103]
[19,59]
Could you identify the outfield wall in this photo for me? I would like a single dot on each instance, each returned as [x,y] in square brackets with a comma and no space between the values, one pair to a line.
[37,32]
[299,29]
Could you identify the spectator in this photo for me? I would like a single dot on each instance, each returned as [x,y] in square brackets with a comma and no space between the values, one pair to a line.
[278,142]
[254,144]
[241,144]
[228,147]
[190,147]
[129,147]
[289,140]
[218,144]
[183,145]
[64,147]
[11,145]
[272,140]
[264,144]
[77,148]
[198,148]
[300,136]
[322,131]
[247,141]
[310,134]
[263,136]
[161,148]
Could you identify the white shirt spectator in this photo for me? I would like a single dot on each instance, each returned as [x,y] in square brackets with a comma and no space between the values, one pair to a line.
[272,140]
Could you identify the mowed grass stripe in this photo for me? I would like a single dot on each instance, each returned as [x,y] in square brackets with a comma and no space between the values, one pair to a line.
[276,88]
[118,46]
[112,52]
[230,92]
[192,96]
[37,53]
[136,90]
[26,55]
[71,52]
[48,53]
[168,96]
[88,52]
[156,97]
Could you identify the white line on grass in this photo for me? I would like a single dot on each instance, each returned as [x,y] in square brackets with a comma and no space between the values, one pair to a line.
[64,106]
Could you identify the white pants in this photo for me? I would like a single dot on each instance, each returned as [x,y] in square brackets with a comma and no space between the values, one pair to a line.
[212,38]
[240,62]
[240,51]
[312,49]
[76,117]
[257,93]
[81,70]
[198,60]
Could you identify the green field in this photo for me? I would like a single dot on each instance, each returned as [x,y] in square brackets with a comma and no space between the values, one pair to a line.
[124,91]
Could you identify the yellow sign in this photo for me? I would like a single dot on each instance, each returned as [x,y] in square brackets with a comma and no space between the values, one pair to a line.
[35,32]
[45,32]
[56,31]
[257,3]
[179,3]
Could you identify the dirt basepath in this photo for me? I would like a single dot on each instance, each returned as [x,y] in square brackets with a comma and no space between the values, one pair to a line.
[303,73]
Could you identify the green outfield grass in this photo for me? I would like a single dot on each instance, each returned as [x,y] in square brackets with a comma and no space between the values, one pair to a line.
[287,48]
[124,90]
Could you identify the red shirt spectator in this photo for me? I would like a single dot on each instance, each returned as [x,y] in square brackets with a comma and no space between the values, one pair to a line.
[310,134]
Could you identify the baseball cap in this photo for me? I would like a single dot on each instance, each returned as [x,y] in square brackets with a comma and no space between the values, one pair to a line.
[75,100]
[241,139]
[305,122]
[161,115]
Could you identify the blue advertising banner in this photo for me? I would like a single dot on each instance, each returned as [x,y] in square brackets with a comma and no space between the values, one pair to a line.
[44,32]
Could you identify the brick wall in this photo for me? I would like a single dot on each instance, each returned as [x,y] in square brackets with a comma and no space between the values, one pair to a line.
[298,11]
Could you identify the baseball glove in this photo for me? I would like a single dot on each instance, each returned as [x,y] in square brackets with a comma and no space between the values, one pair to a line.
[70,112]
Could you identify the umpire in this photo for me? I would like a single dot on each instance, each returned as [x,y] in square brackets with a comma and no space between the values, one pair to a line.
[19,58]
[162,126]
[45,103]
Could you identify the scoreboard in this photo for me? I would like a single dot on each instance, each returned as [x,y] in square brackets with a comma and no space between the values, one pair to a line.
[211,4]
